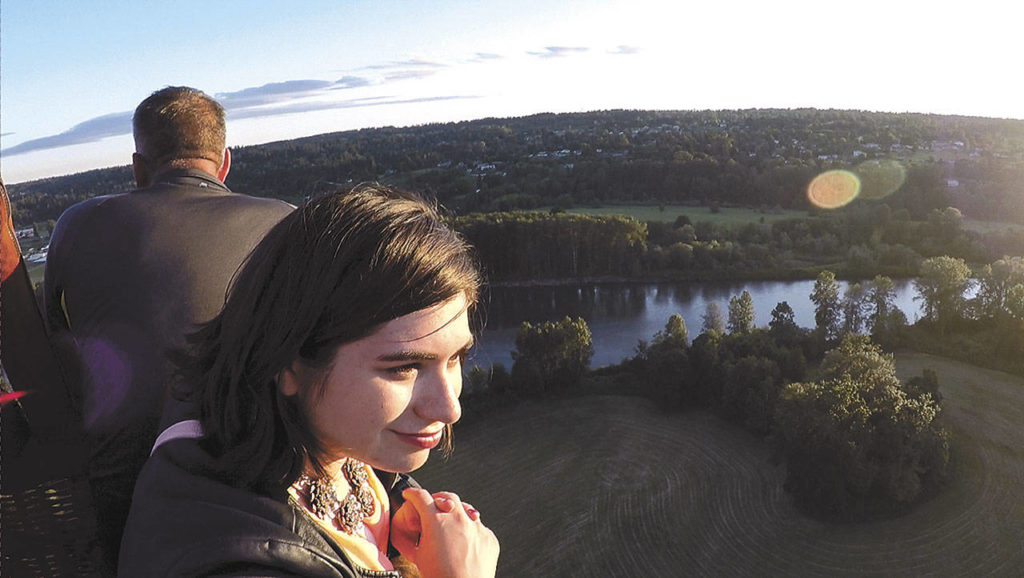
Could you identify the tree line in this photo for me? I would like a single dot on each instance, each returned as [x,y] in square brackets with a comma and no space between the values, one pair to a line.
[760,157]
[537,245]
[858,242]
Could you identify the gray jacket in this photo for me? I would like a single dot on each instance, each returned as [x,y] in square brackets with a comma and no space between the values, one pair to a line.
[127,276]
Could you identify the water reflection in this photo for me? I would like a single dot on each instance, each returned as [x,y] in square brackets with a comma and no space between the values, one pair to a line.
[621,314]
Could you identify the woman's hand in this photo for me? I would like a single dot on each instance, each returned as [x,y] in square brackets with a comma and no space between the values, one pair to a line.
[443,536]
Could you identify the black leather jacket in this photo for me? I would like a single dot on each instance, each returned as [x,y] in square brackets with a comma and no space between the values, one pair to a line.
[184,521]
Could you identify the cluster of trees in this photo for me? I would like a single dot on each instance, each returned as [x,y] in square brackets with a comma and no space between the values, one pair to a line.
[984,188]
[550,358]
[868,307]
[867,238]
[856,441]
[977,316]
[738,370]
[973,314]
[535,245]
[751,157]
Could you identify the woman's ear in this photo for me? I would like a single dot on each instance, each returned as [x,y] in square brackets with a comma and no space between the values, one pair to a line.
[289,381]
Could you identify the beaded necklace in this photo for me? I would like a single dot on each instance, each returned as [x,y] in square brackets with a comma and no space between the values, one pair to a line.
[346,514]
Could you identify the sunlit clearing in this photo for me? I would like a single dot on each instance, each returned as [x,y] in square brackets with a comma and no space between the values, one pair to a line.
[880,178]
[833,189]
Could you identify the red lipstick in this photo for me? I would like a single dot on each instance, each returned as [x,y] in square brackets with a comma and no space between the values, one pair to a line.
[421,440]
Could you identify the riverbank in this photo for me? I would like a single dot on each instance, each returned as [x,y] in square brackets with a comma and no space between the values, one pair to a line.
[620,313]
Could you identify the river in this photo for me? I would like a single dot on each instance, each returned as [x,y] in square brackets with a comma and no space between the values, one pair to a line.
[621,314]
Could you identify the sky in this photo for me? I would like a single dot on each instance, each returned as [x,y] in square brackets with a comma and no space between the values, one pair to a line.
[71,73]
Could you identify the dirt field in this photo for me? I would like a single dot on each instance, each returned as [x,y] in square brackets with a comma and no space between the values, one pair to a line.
[610,486]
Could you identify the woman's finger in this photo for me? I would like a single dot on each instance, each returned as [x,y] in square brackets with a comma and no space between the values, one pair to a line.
[472,512]
[447,502]
[444,504]
[419,499]
[449,496]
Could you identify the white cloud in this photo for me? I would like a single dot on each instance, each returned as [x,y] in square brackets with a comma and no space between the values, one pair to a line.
[558,51]
[624,49]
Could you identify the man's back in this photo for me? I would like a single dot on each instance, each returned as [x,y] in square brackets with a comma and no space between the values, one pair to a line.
[127,277]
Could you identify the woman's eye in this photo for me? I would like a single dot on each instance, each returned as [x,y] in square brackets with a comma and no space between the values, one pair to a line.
[458,359]
[402,370]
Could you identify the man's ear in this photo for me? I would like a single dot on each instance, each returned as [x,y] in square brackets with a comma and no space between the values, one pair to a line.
[140,170]
[225,165]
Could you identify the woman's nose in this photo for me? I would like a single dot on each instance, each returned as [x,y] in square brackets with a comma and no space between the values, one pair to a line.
[440,396]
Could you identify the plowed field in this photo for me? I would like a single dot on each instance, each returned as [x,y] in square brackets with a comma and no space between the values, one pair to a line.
[611,486]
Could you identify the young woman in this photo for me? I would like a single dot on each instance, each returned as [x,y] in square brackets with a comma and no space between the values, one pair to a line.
[332,371]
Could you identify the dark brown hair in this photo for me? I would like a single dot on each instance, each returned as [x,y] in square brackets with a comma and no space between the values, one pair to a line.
[177,123]
[328,274]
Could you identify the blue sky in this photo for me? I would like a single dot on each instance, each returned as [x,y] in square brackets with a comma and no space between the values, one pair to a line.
[71,73]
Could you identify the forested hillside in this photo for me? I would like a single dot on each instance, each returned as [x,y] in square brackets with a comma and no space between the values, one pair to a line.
[755,158]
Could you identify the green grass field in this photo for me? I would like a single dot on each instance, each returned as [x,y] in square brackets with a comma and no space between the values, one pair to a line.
[669,213]
[611,486]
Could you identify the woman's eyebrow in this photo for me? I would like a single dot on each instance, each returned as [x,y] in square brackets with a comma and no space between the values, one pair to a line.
[408,356]
[413,355]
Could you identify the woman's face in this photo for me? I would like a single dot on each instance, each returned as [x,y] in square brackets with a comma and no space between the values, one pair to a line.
[387,397]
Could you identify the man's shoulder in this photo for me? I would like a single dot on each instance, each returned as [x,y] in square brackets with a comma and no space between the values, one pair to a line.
[266,203]
[79,212]
[84,207]
[168,194]
[248,212]
[195,185]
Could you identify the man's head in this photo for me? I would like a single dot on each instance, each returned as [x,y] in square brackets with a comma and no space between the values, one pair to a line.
[178,127]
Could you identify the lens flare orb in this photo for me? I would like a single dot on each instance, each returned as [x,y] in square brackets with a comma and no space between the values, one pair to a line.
[880,178]
[833,189]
